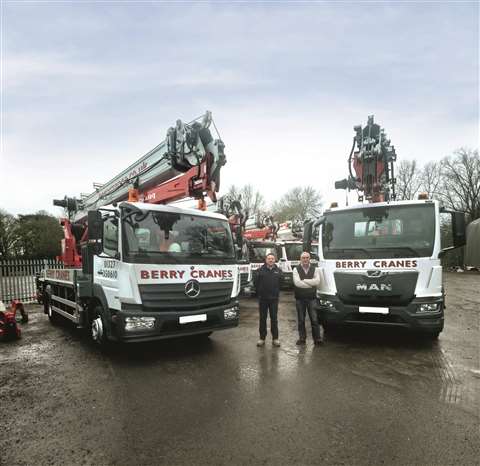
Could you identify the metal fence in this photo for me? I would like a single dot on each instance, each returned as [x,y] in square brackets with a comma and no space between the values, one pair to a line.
[17,278]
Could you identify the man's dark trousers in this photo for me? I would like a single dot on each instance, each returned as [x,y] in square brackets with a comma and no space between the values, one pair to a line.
[304,306]
[267,306]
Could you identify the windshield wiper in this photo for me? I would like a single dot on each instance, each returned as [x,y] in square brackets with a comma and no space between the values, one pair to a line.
[346,250]
[144,253]
[401,248]
[208,254]
[140,252]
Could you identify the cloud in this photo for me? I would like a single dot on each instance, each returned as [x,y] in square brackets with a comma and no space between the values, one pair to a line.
[91,87]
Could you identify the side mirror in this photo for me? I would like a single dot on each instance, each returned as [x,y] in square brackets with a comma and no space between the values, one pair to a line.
[238,251]
[307,235]
[459,229]
[95,231]
[308,228]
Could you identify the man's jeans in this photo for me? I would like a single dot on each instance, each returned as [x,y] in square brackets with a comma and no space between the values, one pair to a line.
[266,306]
[304,305]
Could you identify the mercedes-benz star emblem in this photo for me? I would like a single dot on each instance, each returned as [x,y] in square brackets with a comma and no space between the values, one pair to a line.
[192,288]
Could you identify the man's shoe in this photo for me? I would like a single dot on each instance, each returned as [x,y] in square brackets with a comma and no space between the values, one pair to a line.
[318,342]
[276,342]
[261,342]
[300,342]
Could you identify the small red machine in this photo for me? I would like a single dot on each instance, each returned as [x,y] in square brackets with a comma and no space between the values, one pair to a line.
[9,328]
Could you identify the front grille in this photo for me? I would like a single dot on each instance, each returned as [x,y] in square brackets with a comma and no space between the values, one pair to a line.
[389,289]
[172,297]
[374,318]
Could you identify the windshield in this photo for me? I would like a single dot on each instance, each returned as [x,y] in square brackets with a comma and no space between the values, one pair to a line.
[294,251]
[154,237]
[258,252]
[380,232]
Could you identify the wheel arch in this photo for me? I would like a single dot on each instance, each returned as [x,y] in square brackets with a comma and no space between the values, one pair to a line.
[99,302]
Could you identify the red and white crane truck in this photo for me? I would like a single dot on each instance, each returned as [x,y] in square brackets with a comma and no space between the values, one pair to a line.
[136,269]
[380,260]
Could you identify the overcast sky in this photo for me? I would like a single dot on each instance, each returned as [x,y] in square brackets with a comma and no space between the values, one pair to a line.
[89,87]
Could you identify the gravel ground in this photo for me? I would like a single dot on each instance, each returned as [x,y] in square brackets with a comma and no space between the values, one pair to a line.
[365,397]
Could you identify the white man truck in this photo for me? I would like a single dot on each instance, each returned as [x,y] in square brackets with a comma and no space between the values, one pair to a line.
[380,261]
[380,265]
[137,271]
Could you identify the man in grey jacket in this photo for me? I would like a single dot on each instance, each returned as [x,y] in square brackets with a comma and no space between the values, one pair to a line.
[306,279]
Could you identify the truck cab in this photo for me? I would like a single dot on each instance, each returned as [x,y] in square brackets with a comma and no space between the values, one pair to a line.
[150,272]
[380,265]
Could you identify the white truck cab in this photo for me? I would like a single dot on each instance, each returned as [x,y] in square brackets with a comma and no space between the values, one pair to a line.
[380,264]
[149,272]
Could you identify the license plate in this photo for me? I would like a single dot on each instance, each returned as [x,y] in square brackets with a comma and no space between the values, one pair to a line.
[374,310]
[196,318]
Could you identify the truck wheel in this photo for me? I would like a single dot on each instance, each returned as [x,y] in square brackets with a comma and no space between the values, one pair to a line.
[53,317]
[98,331]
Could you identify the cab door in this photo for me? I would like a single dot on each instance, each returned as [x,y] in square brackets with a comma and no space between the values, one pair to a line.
[106,266]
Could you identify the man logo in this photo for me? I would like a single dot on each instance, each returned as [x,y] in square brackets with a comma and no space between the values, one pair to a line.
[192,288]
[374,287]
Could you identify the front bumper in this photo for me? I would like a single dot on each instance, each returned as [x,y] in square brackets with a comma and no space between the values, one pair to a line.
[338,313]
[167,323]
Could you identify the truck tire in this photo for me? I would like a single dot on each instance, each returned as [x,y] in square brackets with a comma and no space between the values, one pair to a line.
[53,317]
[98,331]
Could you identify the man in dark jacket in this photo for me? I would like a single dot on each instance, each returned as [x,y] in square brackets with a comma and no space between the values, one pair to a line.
[267,284]
[306,279]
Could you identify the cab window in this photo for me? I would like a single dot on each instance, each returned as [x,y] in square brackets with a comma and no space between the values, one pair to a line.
[110,236]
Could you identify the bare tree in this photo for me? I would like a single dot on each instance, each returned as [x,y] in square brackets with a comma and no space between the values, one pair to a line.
[408,180]
[461,182]
[298,204]
[252,200]
[431,179]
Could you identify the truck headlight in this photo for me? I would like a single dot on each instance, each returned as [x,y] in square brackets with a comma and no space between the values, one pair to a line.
[326,303]
[231,313]
[139,323]
[428,307]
